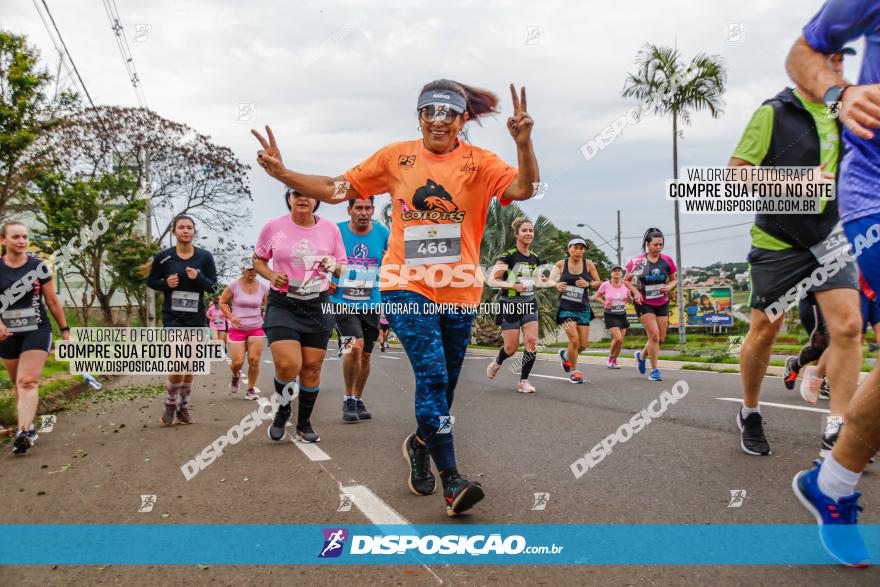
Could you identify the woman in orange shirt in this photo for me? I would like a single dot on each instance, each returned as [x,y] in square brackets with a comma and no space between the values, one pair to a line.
[430,278]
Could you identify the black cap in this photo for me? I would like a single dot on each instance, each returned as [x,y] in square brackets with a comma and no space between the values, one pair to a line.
[847,51]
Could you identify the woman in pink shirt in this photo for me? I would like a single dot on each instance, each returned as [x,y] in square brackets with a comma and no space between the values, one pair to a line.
[248,298]
[304,249]
[613,295]
[216,320]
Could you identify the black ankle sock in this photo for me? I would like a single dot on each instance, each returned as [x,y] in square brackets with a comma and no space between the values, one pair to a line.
[502,356]
[448,475]
[528,363]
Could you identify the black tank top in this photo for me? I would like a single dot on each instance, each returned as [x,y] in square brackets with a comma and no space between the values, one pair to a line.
[574,298]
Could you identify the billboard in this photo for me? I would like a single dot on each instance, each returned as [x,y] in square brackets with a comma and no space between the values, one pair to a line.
[704,306]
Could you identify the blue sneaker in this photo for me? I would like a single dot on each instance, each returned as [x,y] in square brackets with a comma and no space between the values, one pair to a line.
[655,375]
[838,523]
[641,362]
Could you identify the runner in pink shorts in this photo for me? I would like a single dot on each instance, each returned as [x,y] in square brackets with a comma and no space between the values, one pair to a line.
[216,320]
[248,298]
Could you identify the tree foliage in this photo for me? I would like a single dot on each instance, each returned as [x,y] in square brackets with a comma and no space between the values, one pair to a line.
[66,209]
[25,112]
[183,171]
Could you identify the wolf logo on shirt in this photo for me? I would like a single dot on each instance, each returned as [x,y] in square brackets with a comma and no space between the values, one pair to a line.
[433,202]
[433,196]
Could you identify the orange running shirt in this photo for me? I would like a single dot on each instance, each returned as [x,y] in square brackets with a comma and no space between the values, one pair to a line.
[440,204]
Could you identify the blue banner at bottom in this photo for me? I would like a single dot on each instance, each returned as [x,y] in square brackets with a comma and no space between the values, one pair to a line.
[561,544]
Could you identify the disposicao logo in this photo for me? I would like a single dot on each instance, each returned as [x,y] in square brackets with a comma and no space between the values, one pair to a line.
[334,542]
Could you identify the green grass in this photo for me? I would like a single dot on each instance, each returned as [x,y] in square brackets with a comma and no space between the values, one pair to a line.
[52,397]
[47,392]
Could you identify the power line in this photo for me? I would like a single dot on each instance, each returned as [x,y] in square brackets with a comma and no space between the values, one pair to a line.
[64,45]
[700,230]
[605,240]
[66,53]
[124,50]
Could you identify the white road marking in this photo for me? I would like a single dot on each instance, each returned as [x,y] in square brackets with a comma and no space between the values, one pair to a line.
[379,512]
[387,357]
[309,449]
[550,376]
[789,406]
[265,361]
[372,506]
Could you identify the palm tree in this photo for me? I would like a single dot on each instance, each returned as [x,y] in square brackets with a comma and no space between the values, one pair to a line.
[499,237]
[385,214]
[664,86]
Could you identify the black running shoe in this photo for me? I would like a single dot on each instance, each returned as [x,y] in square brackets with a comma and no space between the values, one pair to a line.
[421,480]
[363,412]
[276,430]
[833,428]
[824,390]
[461,495]
[790,375]
[349,410]
[22,443]
[305,433]
[753,441]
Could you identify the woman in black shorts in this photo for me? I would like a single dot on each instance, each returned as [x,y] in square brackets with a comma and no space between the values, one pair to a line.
[577,276]
[25,332]
[613,295]
[183,273]
[296,325]
[650,277]
[519,310]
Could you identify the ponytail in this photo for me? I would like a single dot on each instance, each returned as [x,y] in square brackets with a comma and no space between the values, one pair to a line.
[479,102]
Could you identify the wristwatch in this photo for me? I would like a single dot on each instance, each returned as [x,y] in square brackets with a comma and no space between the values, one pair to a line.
[834,94]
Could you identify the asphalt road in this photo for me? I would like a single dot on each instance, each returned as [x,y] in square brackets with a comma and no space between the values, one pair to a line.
[94,466]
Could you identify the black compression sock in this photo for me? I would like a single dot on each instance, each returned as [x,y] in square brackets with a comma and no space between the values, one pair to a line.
[502,356]
[528,363]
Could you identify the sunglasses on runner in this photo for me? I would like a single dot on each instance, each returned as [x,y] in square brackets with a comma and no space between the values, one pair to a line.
[438,113]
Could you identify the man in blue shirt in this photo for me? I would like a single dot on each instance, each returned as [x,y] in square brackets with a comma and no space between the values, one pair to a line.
[828,489]
[357,302]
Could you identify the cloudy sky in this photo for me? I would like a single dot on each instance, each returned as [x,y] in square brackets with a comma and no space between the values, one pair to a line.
[337,80]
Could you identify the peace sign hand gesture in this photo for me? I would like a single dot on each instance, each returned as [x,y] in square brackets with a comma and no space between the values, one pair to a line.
[269,157]
[520,124]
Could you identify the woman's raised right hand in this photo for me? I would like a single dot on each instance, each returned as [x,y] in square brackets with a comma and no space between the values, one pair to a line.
[269,157]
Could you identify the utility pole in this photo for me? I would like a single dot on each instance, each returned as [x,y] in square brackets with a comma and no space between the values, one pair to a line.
[682,322]
[148,193]
[619,248]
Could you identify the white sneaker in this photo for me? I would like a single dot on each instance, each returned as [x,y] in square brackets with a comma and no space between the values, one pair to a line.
[492,369]
[524,386]
[251,394]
